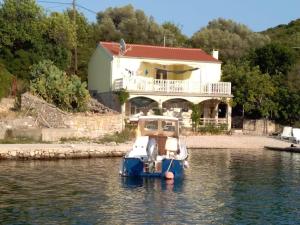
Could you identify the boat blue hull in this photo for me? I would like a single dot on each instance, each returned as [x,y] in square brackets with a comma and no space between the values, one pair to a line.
[135,167]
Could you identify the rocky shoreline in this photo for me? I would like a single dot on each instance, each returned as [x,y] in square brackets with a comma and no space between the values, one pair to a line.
[92,150]
[61,151]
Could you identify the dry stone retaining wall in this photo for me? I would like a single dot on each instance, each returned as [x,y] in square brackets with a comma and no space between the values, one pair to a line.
[56,124]
[85,127]
[47,114]
[259,127]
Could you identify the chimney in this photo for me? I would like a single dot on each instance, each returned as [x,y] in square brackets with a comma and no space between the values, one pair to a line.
[215,54]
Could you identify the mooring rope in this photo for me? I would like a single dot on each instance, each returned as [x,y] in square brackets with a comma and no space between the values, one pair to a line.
[170,165]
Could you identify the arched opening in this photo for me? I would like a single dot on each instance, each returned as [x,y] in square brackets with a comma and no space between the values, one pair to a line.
[222,110]
[213,111]
[139,105]
[177,104]
[179,108]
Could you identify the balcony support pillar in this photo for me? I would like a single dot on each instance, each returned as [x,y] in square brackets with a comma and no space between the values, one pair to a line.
[229,110]
[216,112]
[160,104]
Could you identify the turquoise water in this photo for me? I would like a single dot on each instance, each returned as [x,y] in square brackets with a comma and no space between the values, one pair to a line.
[220,187]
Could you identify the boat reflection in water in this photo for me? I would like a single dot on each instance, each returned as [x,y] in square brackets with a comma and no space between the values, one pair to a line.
[174,185]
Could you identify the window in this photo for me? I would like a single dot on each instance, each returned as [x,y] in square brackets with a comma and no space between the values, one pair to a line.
[151,125]
[168,126]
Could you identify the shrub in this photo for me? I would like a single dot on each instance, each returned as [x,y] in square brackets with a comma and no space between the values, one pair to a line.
[5,81]
[54,86]
[123,95]
[157,111]
[118,137]
[196,113]
[213,129]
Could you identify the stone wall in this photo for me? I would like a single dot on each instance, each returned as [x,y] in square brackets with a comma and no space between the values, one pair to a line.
[47,115]
[109,99]
[48,123]
[80,126]
[101,123]
[259,127]
[6,104]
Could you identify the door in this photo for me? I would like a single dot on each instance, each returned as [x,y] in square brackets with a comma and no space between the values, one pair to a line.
[161,74]
[160,82]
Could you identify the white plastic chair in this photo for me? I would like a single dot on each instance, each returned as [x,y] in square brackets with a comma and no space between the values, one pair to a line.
[139,147]
[286,133]
[171,146]
[296,135]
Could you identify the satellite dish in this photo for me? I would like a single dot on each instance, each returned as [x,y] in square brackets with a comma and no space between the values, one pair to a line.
[122,47]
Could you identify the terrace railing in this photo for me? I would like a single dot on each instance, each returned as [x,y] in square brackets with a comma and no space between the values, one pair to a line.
[144,84]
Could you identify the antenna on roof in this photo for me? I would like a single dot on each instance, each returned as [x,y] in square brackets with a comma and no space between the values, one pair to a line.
[122,47]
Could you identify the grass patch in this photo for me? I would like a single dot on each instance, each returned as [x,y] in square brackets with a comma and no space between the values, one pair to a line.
[20,140]
[75,140]
[118,137]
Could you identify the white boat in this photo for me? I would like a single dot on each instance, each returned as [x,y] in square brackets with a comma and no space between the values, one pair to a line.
[157,151]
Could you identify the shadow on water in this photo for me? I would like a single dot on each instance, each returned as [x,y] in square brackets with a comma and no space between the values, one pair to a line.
[175,185]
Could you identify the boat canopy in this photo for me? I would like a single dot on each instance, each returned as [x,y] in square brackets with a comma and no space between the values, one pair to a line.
[158,126]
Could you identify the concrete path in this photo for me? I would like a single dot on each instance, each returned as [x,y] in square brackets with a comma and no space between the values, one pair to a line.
[234,141]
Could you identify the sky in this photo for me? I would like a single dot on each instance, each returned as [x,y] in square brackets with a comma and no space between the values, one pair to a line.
[192,15]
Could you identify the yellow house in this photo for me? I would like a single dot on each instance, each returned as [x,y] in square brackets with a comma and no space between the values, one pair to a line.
[163,78]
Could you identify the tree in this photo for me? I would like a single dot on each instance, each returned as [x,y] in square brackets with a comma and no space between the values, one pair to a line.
[28,36]
[130,24]
[5,81]
[174,36]
[21,35]
[59,39]
[195,116]
[273,59]
[252,89]
[87,38]
[288,101]
[54,86]
[293,81]
[232,39]
[286,34]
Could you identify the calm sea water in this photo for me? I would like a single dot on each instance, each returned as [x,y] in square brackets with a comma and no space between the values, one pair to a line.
[220,187]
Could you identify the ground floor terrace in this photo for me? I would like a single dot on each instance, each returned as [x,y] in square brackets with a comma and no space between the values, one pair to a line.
[215,110]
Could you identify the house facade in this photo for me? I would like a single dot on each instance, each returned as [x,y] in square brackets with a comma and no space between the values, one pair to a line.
[161,78]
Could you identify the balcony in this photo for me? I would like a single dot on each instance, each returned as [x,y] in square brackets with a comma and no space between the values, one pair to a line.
[144,84]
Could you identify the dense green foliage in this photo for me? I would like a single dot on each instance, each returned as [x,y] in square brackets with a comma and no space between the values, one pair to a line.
[195,116]
[53,85]
[268,85]
[135,27]
[273,58]
[264,68]
[213,129]
[233,40]
[123,95]
[5,81]
[251,89]
[286,34]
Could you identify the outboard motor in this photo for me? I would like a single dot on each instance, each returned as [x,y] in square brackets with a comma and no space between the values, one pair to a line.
[152,149]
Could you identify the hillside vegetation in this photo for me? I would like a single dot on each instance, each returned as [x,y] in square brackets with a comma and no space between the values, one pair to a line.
[286,34]
[38,49]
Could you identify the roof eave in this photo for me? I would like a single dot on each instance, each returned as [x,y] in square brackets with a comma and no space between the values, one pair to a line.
[185,60]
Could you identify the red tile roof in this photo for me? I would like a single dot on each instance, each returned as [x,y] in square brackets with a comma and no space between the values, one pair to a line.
[160,52]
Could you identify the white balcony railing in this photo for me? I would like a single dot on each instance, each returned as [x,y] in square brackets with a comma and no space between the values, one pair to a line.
[144,84]
[217,121]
